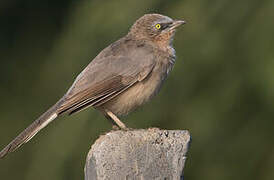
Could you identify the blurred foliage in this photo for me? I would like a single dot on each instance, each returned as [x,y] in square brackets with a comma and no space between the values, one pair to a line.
[221,88]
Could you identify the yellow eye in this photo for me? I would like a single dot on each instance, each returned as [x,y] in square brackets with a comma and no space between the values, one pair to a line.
[158,26]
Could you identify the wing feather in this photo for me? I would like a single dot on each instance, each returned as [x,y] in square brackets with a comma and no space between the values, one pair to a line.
[106,77]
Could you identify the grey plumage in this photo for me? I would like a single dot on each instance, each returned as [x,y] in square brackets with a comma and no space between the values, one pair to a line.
[121,78]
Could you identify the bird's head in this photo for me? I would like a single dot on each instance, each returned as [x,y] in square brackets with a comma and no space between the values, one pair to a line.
[155,27]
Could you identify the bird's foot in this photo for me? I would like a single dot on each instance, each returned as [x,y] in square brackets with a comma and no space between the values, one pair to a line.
[126,129]
[115,127]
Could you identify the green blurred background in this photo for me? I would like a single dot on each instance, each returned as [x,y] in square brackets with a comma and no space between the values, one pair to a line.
[221,88]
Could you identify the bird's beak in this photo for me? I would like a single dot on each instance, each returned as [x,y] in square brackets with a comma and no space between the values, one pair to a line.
[176,23]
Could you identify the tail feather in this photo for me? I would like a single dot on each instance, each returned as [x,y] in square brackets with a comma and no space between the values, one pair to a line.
[31,131]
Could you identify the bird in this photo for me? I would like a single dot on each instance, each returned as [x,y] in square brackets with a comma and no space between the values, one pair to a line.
[122,77]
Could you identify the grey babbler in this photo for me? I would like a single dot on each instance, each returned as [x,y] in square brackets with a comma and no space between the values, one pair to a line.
[119,79]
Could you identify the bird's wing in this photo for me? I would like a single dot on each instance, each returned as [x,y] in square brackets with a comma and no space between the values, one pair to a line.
[109,74]
[106,77]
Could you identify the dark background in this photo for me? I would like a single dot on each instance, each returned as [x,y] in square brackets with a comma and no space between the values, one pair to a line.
[221,88]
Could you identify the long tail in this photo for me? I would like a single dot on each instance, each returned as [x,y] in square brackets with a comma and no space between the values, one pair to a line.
[30,131]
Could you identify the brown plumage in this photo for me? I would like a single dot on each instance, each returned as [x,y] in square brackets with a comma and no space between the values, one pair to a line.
[121,78]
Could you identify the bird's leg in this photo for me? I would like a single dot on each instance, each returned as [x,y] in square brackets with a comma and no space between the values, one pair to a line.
[115,120]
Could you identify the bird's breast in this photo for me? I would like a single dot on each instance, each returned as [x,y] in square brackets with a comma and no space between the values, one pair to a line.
[141,92]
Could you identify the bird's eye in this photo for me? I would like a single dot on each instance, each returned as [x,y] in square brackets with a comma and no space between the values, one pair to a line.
[158,26]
